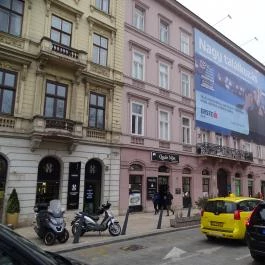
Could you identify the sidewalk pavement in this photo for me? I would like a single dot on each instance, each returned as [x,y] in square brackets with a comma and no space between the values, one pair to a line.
[139,225]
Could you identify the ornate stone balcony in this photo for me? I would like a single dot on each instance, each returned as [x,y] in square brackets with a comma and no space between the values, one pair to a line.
[56,52]
[65,130]
[214,150]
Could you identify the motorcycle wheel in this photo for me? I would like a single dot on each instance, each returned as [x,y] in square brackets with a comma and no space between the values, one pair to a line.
[75,229]
[115,229]
[64,237]
[49,238]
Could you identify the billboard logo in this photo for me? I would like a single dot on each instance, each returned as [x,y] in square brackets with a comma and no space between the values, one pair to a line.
[209,113]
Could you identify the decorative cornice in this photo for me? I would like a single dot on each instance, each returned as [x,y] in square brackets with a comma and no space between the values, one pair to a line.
[139,46]
[62,6]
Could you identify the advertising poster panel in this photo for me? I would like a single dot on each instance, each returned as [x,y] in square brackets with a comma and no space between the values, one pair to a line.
[230,94]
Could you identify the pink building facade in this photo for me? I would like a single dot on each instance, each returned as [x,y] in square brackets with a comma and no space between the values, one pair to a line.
[161,146]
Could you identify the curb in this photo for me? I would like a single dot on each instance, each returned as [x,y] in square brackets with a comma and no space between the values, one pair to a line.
[121,238]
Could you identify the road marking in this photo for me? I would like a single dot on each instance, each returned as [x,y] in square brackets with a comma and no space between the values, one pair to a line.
[208,251]
[174,253]
[243,257]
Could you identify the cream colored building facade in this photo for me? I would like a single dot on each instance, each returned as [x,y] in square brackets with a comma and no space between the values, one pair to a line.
[60,103]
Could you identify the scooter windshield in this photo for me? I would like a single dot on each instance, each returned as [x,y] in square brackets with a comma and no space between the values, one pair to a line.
[55,208]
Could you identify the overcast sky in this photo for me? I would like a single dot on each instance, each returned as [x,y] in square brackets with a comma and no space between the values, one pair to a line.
[246,24]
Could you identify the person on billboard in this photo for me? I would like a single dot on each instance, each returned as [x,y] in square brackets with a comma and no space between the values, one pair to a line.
[256,115]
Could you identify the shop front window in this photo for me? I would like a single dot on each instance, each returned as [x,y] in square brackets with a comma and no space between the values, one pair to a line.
[135,192]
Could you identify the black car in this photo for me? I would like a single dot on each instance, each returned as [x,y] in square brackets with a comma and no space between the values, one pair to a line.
[17,250]
[256,233]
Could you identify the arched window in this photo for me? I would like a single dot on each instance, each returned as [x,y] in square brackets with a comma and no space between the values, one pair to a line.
[163,169]
[186,170]
[48,183]
[3,172]
[136,167]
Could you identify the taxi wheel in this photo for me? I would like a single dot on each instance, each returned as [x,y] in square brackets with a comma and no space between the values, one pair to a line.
[256,257]
[210,238]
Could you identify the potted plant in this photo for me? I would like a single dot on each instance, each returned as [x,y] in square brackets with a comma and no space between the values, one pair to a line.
[12,209]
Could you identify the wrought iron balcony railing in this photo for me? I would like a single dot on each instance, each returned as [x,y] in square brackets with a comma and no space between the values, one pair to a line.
[223,151]
[67,125]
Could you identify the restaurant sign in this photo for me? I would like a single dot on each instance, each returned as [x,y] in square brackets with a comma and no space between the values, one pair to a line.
[165,157]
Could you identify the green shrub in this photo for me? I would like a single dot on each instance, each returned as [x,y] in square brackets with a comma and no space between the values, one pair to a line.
[13,205]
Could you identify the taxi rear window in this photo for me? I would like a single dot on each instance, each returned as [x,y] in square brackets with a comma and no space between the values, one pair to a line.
[220,207]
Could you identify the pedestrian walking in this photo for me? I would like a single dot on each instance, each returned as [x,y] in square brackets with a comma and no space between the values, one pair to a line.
[169,198]
[156,201]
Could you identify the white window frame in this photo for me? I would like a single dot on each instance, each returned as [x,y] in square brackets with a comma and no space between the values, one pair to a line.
[137,116]
[186,130]
[184,43]
[163,75]
[137,65]
[259,151]
[164,126]
[247,147]
[219,139]
[101,5]
[205,137]
[139,17]
[185,84]
[164,31]
[235,143]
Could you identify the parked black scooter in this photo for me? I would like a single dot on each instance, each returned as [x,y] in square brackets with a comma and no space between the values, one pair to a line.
[50,224]
[89,222]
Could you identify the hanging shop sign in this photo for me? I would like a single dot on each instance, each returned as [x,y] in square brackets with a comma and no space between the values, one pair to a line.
[151,187]
[73,185]
[165,157]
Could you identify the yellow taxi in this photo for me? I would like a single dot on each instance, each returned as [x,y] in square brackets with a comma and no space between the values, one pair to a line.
[226,217]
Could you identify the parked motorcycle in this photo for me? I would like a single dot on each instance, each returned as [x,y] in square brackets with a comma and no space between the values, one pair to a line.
[50,224]
[87,222]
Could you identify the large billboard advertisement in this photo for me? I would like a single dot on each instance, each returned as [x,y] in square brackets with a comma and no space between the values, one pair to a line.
[230,94]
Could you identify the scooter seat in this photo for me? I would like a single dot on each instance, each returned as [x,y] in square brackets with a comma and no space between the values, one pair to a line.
[94,217]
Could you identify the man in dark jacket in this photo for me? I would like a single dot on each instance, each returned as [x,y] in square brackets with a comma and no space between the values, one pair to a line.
[169,198]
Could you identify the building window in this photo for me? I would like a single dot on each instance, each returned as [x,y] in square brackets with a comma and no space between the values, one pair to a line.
[97,111]
[185,84]
[137,119]
[164,32]
[11,16]
[219,139]
[204,137]
[184,43]
[163,76]
[186,131]
[7,91]
[250,185]
[103,5]
[55,100]
[61,31]
[236,143]
[138,17]
[138,66]
[205,186]
[163,125]
[100,49]
[237,185]
[259,151]
[247,147]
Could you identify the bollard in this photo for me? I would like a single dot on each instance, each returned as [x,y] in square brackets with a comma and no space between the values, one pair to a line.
[79,229]
[160,219]
[189,209]
[124,227]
